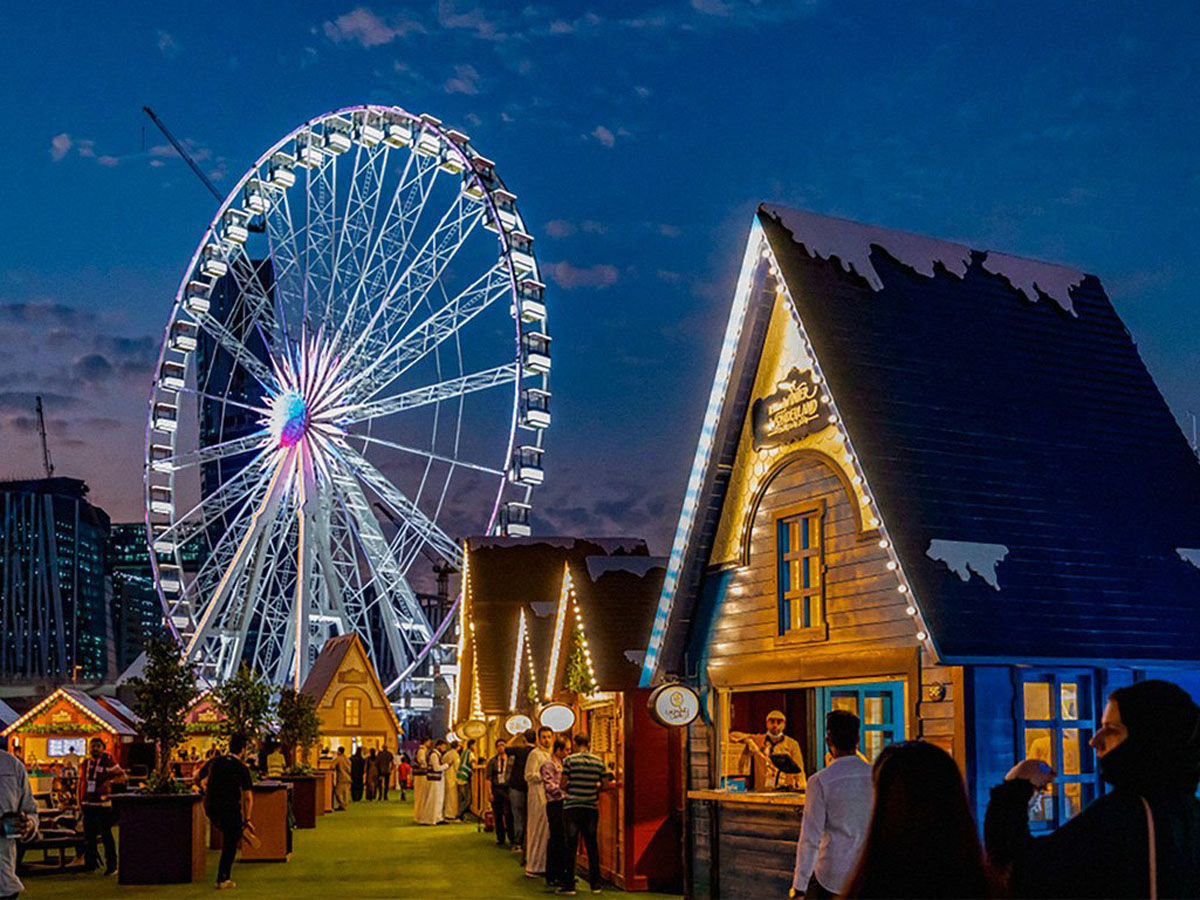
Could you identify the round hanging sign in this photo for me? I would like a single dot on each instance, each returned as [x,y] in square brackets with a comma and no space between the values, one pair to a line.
[473,729]
[517,724]
[674,705]
[558,717]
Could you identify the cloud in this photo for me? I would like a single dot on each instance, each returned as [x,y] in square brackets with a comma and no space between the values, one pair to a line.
[166,45]
[92,367]
[569,277]
[670,231]
[558,26]
[465,81]
[45,311]
[363,27]
[712,7]
[26,401]
[108,161]
[641,91]
[604,136]
[86,149]
[474,20]
[560,228]
[60,146]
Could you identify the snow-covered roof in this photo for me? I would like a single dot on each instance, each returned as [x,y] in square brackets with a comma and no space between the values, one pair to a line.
[851,243]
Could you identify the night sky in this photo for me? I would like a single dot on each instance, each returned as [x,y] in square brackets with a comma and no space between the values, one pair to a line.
[639,138]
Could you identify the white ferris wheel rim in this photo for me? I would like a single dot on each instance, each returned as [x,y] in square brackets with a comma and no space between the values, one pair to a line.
[450,144]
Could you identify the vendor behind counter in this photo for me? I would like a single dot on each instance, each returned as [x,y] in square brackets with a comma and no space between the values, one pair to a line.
[760,756]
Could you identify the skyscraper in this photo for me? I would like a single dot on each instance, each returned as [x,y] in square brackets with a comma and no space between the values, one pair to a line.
[55,593]
[136,610]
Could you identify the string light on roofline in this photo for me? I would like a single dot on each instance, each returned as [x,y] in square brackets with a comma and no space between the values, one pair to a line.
[866,500]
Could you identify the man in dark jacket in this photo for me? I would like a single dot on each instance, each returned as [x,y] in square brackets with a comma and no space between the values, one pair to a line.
[229,802]
[518,753]
[497,773]
[1148,746]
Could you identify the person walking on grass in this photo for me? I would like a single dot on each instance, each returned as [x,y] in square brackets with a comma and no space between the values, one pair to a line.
[537,830]
[583,777]
[229,802]
[518,755]
[341,780]
[372,775]
[384,760]
[496,776]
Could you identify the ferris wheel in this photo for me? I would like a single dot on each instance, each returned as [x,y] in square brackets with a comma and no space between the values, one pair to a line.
[355,371]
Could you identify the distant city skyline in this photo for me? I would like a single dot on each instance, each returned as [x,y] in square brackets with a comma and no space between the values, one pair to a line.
[640,137]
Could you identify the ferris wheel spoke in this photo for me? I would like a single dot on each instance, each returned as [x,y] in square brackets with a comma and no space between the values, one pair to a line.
[423,396]
[426,454]
[358,223]
[428,264]
[232,345]
[387,577]
[395,359]
[321,225]
[391,247]
[212,452]
[401,507]
[226,401]
[227,496]
[287,270]
[263,515]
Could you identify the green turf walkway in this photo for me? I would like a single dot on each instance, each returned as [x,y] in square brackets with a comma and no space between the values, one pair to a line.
[373,850]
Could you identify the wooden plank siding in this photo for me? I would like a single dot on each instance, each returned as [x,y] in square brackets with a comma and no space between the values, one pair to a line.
[861,603]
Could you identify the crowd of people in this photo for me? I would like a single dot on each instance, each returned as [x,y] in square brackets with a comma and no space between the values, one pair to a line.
[545,799]
[903,827]
[441,777]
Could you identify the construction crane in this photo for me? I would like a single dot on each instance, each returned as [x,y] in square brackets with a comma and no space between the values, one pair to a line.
[41,426]
[187,157]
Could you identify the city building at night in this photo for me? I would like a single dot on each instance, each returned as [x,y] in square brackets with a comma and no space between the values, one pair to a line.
[936,487]
[55,611]
[137,611]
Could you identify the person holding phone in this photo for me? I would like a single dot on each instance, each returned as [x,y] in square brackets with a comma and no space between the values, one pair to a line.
[18,820]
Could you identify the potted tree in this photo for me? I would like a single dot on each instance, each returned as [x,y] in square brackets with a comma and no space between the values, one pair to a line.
[299,731]
[162,826]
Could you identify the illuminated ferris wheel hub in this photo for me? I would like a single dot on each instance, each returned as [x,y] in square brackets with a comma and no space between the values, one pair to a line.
[362,327]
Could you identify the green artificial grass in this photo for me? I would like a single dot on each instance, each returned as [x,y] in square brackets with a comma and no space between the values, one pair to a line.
[372,850]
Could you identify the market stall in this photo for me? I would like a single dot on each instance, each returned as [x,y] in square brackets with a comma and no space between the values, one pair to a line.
[602,621]
[350,699]
[888,514]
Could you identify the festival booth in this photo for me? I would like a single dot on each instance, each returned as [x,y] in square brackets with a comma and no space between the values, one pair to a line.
[602,622]
[908,501]
[66,721]
[353,708]
[203,733]
[511,589]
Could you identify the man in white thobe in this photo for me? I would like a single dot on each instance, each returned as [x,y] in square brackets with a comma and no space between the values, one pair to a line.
[16,801]
[433,798]
[837,811]
[537,826]
[449,785]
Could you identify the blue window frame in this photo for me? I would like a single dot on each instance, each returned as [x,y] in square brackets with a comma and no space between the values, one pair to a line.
[1055,723]
[878,705]
[799,577]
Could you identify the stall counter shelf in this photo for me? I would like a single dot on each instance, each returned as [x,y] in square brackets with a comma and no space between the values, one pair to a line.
[755,798]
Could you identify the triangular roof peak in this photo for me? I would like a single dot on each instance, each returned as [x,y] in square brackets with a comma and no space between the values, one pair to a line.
[851,243]
[1002,440]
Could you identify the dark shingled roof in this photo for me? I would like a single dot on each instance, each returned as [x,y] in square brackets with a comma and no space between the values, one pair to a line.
[325,666]
[980,416]
[509,574]
[617,599]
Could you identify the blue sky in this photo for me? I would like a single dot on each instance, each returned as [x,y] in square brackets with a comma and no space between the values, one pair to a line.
[639,138]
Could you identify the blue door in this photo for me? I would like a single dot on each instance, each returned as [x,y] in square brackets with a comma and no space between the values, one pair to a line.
[879,706]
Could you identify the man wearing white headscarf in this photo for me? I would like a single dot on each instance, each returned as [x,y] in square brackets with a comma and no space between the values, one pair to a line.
[537,827]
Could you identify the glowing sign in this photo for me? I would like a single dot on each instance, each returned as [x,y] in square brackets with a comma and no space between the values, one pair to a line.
[557,717]
[674,705]
[794,411]
[517,724]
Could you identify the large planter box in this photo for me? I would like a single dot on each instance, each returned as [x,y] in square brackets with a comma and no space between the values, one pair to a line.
[270,817]
[306,798]
[162,838]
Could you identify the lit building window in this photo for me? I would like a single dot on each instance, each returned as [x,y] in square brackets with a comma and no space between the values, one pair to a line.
[1058,711]
[352,712]
[799,577]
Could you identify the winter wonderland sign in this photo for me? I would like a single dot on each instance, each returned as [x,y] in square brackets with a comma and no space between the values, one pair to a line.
[795,410]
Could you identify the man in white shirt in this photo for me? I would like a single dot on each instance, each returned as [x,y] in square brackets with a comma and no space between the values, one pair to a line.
[20,821]
[837,809]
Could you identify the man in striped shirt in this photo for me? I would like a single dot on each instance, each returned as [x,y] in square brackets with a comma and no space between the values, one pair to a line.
[583,777]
